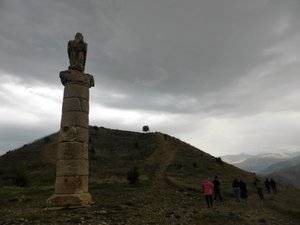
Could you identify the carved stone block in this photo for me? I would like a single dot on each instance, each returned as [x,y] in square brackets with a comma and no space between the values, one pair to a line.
[75,104]
[72,150]
[76,90]
[71,184]
[75,77]
[71,104]
[71,133]
[80,119]
[58,201]
[75,167]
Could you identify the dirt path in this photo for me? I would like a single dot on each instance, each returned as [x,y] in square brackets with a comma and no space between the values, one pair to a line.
[162,156]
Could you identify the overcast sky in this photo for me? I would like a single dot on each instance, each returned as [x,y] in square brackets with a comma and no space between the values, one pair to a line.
[222,75]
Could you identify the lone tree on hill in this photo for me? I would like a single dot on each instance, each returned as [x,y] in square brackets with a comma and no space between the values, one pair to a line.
[146,128]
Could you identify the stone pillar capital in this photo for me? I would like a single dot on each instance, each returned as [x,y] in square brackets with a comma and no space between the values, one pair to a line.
[76,77]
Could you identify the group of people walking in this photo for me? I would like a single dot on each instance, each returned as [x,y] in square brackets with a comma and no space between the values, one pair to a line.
[270,185]
[239,188]
[210,188]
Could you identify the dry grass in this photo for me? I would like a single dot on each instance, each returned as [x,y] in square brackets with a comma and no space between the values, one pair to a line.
[169,191]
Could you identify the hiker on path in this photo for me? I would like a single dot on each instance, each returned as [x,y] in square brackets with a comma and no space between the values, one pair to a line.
[268,185]
[207,187]
[217,185]
[258,187]
[236,189]
[243,187]
[273,185]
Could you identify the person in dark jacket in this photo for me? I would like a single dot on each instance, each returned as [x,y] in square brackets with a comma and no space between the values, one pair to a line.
[217,185]
[236,189]
[268,185]
[258,187]
[273,185]
[244,194]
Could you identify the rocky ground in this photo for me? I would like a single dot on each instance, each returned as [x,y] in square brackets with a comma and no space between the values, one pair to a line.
[144,204]
[169,191]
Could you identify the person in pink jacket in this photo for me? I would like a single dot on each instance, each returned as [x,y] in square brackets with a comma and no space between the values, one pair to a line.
[208,187]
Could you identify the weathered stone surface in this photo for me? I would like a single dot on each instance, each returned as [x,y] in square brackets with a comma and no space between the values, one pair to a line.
[69,200]
[68,133]
[72,150]
[71,185]
[71,133]
[75,77]
[80,119]
[77,49]
[75,104]
[85,106]
[77,91]
[74,167]
[71,104]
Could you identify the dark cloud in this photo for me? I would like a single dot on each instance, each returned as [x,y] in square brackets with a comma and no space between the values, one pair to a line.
[196,59]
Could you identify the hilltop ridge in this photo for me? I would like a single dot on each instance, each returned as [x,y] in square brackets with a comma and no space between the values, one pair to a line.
[169,192]
[113,152]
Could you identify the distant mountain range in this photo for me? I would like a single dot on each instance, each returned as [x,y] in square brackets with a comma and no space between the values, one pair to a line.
[232,159]
[284,167]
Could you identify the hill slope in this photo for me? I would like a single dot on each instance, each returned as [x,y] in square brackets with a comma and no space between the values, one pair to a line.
[113,153]
[169,192]
[282,165]
[288,175]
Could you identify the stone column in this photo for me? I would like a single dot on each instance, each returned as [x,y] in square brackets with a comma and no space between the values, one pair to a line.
[72,168]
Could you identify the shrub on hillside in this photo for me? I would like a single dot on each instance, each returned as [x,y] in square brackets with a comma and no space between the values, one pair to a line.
[136,145]
[95,128]
[46,139]
[219,161]
[133,176]
[20,179]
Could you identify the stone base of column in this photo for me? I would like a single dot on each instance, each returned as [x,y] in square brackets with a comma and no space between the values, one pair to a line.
[58,201]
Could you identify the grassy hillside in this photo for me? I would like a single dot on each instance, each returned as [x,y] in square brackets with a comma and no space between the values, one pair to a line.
[36,160]
[288,175]
[169,191]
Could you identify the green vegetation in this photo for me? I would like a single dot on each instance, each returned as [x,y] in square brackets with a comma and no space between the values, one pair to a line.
[20,179]
[133,176]
[168,191]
